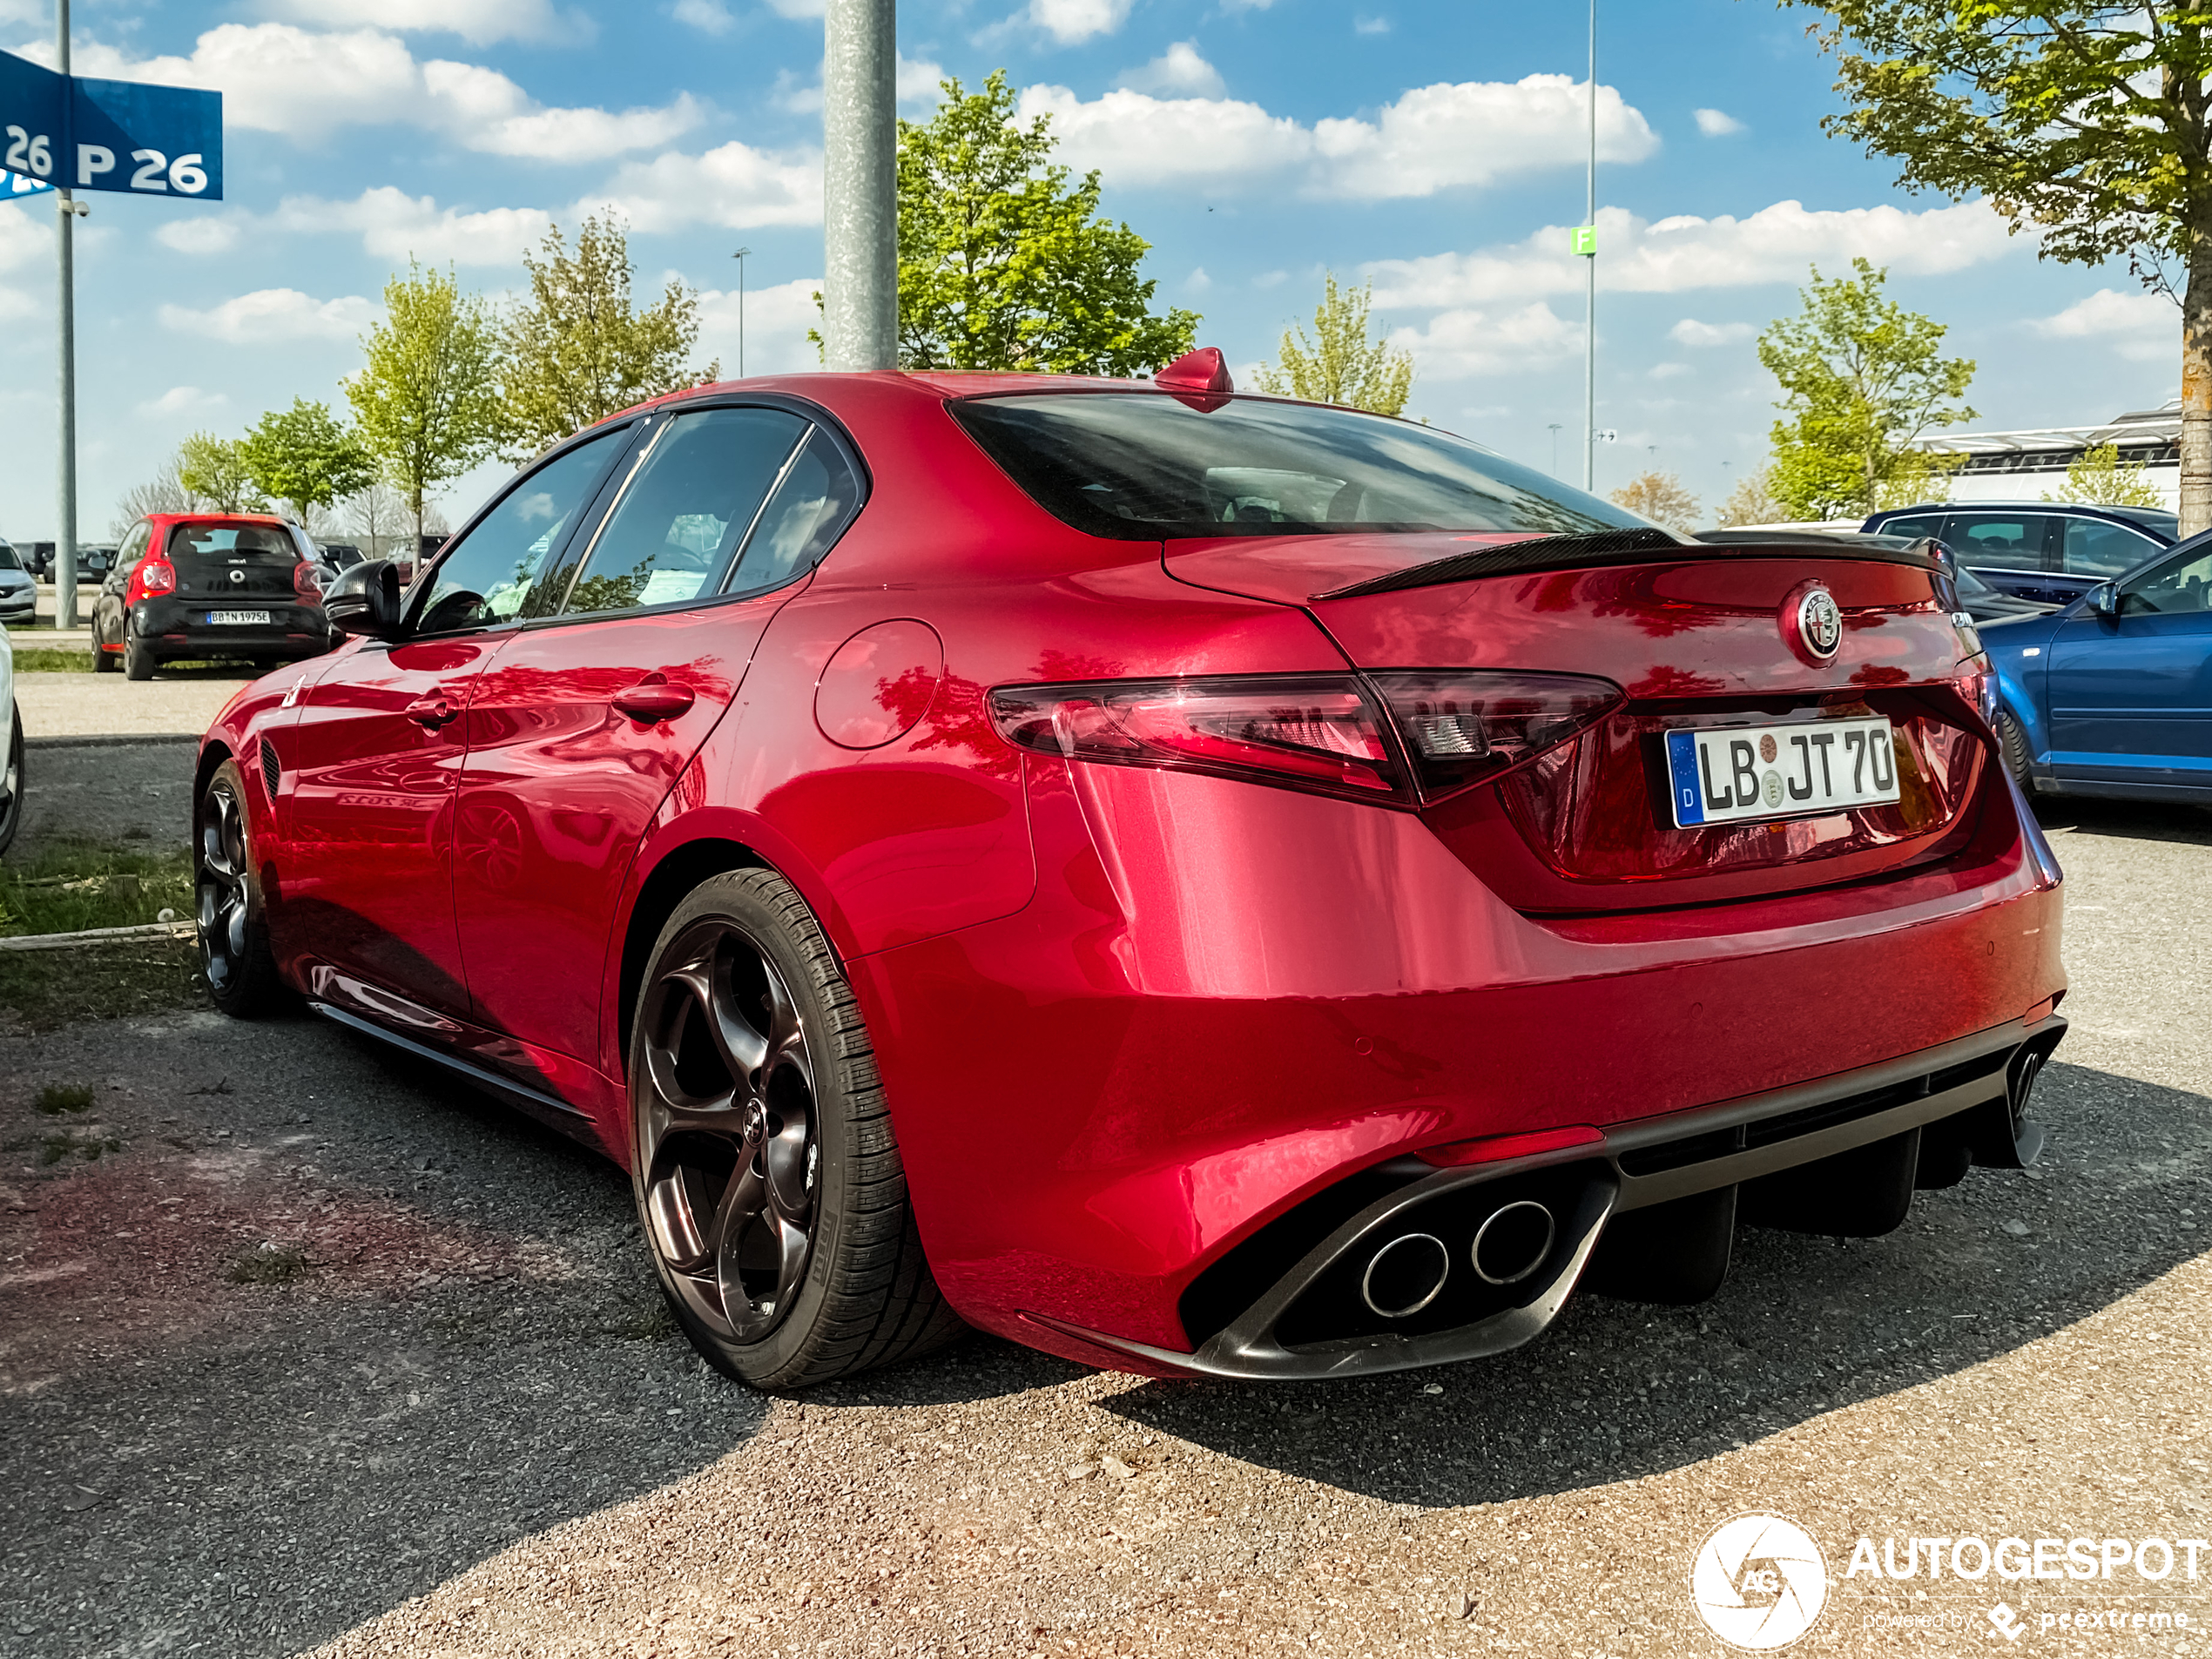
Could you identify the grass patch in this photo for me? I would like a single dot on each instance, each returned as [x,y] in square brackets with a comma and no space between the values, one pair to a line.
[57,1098]
[52,659]
[270,1264]
[43,990]
[71,886]
[65,1144]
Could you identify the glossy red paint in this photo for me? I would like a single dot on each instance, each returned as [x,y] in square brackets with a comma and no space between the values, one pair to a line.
[1126,1016]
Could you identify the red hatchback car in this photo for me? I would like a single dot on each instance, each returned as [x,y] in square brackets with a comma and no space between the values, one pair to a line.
[1195,883]
[209,584]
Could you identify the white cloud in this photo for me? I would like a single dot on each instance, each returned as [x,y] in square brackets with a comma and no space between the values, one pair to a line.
[269,316]
[1178,69]
[1460,343]
[796,8]
[1430,138]
[1364,25]
[776,321]
[1070,21]
[735,186]
[1198,281]
[181,400]
[708,16]
[201,234]
[2142,327]
[1671,255]
[1667,371]
[477,22]
[395,225]
[278,78]
[23,239]
[1714,124]
[1267,279]
[1690,332]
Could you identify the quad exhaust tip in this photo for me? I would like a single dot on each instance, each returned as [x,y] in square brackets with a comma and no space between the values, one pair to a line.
[1514,1242]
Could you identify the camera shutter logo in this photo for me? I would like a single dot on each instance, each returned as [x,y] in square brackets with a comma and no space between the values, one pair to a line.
[1820,623]
[1759,1582]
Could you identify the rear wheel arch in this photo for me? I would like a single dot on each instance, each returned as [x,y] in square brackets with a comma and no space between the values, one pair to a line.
[672,880]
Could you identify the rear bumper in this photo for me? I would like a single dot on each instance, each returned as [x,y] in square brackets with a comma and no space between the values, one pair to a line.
[1183,1038]
[172,628]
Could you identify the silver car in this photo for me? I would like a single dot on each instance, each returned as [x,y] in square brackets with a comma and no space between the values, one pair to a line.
[18,592]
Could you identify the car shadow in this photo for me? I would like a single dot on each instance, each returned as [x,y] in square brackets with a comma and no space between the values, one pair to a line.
[1617,1390]
[2140,820]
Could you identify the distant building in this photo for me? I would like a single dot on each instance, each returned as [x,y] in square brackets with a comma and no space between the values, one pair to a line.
[2026,466]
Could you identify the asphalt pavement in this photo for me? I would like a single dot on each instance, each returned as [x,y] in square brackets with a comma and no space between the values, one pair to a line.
[304,1349]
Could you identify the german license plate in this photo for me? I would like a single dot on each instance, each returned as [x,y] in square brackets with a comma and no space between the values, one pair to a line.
[1733,774]
[237,619]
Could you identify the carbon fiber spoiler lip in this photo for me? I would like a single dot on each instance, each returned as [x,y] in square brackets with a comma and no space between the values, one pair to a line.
[1541,553]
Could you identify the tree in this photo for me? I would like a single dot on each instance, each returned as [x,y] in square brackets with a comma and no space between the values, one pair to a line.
[1340,364]
[303,457]
[1659,496]
[2099,478]
[215,469]
[1751,502]
[164,493]
[428,401]
[2091,123]
[577,351]
[1003,265]
[1861,380]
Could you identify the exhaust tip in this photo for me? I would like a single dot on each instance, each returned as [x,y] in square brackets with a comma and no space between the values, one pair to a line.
[1514,1242]
[1405,1276]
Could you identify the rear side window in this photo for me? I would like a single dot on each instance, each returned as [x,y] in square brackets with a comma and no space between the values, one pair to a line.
[490,573]
[1142,467]
[814,501]
[2094,548]
[685,510]
[134,545]
[1999,541]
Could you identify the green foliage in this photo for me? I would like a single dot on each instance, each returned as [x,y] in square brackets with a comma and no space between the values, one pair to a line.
[69,886]
[57,1098]
[302,456]
[577,351]
[1861,378]
[428,401]
[1003,265]
[1340,364]
[2099,478]
[215,470]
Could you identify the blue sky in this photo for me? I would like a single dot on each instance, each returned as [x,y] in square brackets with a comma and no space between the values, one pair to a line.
[1435,146]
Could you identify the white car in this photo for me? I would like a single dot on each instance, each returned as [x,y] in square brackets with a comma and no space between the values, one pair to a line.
[11,768]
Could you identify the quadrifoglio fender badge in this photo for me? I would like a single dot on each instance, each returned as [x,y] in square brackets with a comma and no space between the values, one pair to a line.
[1820,621]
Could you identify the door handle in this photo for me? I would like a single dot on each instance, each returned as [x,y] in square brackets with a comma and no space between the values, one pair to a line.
[650,702]
[432,712]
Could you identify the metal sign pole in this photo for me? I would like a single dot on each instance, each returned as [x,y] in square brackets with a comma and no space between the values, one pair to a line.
[1589,287]
[65,532]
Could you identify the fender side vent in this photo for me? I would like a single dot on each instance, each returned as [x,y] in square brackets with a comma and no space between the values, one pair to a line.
[272,773]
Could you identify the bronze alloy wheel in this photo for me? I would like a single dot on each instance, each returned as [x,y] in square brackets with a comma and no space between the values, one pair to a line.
[234,943]
[768,1181]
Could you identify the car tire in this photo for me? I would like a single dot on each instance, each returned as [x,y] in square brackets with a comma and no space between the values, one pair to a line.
[2013,742]
[137,661]
[11,777]
[233,933]
[103,659]
[766,1173]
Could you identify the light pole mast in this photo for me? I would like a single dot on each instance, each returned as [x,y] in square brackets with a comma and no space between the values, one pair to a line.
[859,186]
[739,256]
[1588,250]
[65,320]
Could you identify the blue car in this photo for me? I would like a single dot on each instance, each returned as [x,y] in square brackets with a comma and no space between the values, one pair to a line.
[2052,552]
[2113,695]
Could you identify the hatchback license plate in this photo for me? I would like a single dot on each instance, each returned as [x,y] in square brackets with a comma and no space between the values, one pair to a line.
[237,619]
[1731,774]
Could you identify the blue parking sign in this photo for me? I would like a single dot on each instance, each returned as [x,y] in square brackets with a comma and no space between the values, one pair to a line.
[75,133]
[13,184]
[34,111]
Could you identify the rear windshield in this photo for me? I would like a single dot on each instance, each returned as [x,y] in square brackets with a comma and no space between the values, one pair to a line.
[252,542]
[1142,467]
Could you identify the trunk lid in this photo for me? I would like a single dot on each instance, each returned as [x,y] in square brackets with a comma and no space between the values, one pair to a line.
[1695,637]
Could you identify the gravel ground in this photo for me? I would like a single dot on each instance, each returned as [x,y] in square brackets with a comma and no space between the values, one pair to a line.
[80,705]
[318,1354]
[119,792]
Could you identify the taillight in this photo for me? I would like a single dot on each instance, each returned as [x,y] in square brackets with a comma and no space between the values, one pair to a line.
[1311,731]
[1977,687]
[157,576]
[1464,727]
[307,582]
[1353,736]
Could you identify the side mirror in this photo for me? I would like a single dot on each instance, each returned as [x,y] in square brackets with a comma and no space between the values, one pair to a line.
[365,600]
[2104,598]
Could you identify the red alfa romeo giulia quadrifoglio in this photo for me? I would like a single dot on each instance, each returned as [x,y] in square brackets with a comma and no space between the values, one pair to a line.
[1195,883]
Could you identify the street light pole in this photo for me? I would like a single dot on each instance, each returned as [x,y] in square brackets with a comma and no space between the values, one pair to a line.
[1589,286]
[742,254]
[859,186]
[1555,426]
[66,245]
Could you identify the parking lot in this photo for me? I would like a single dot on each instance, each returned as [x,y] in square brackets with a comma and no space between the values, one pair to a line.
[305,1350]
